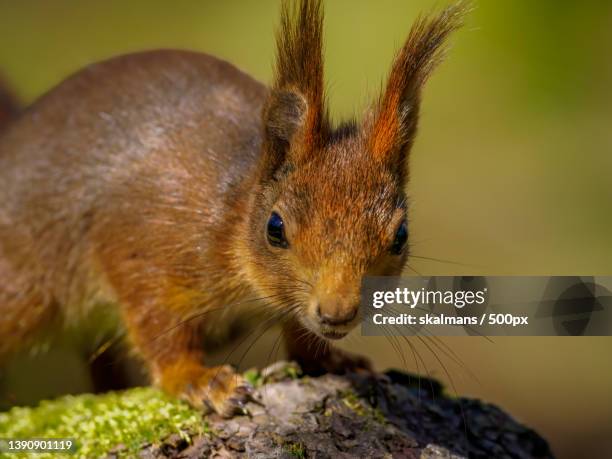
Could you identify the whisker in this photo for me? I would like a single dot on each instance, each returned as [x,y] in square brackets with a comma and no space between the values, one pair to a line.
[451,381]
[469,327]
[105,346]
[267,324]
[414,270]
[442,260]
[449,353]
[275,345]
[394,344]
[265,329]
[447,350]
[427,372]
[201,314]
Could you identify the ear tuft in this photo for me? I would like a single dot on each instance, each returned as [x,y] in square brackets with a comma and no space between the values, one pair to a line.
[396,118]
[299,45]
[295,108]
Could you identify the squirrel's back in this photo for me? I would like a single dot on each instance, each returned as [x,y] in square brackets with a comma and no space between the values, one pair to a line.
[107,118]
[123,150]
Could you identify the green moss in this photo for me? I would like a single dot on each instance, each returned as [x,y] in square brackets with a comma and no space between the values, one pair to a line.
[293,371]
[296,450]
[253,377]
[100,422]
[352,401]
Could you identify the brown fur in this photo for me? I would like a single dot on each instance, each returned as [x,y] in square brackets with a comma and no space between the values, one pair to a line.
[147,181]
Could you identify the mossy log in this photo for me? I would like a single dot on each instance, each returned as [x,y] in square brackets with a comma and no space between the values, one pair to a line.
[388,415]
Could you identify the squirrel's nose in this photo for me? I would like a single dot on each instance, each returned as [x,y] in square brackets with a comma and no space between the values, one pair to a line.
[337,317]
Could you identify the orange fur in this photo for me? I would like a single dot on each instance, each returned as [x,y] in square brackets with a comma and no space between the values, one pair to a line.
[397,113]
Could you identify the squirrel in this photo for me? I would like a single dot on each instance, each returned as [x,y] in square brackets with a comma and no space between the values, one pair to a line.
[173,187]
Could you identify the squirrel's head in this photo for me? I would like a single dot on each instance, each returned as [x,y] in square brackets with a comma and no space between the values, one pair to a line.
[330,204]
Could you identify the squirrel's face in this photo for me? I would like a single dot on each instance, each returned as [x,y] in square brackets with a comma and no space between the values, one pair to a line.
[329,206]
[321,226]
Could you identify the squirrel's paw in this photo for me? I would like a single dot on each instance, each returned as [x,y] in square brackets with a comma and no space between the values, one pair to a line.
[221,390]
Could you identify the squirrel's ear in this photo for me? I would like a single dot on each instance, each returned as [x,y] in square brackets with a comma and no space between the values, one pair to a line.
[284,117]
[295,109]
[394,124]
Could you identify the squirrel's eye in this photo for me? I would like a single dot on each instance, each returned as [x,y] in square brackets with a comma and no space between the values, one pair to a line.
[276,231]
[401,236]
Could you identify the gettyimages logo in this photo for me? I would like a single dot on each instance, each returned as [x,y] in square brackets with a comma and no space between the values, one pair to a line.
[487,306]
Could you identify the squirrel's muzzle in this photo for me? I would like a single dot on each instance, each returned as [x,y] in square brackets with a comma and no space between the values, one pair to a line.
[340,316]
[335,303]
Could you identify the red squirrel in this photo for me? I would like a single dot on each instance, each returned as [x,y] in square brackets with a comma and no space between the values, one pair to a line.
[170,185]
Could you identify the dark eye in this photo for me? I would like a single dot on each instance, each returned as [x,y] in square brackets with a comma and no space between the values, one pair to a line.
[276,231]
[401,236]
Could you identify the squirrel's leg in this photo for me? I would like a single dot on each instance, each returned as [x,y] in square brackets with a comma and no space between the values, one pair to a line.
[316,355]
[175,357]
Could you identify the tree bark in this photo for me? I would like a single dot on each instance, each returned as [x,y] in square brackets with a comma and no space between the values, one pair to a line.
[382,416]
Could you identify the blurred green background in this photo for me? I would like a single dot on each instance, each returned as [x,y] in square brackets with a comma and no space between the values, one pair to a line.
[510,172]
